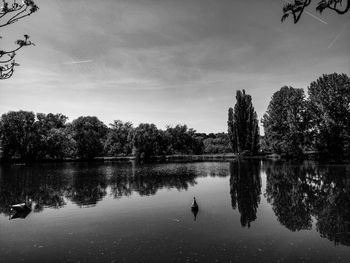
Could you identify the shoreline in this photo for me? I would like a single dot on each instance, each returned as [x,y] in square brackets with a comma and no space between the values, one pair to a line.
[182,158]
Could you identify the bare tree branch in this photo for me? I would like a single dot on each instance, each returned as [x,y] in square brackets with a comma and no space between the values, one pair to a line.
[6,71]
[297,8]
[15,11]
[334,5]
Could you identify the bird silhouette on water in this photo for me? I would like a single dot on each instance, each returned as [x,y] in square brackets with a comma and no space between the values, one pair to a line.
[194,205]
[194,208]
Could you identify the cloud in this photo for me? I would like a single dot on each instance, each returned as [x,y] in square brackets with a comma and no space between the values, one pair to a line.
[166,61]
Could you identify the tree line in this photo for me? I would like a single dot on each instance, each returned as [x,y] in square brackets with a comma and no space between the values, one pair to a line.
[295,124]
[29,137]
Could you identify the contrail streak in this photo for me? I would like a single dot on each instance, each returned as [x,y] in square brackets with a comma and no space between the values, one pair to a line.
[336,38]
[77,62]
[319,19]
[310,14]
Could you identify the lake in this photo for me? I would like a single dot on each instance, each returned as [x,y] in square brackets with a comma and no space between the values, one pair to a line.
[249,211]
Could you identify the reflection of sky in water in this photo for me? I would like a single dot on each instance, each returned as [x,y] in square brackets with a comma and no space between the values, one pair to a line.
[128,212]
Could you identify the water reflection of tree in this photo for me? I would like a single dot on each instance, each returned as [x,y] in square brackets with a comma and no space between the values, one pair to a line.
[146,180]
[88,187]
[333,209]
[245,183]
[287,192]
[52,185]
[19,184]
[299,192]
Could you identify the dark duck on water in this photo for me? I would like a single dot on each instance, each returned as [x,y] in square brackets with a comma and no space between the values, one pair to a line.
[194,205]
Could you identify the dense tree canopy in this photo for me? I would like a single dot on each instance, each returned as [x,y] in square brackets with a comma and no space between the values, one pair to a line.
[286,122]
[59,144]
[329,98]
[182,140]
[148,141]
[52,139]
[26,136]
[294,124]
[89,133]
[29,137]
[296,8]
[119,138]
[18,134]
[243,127]
[145,140]
[218,143]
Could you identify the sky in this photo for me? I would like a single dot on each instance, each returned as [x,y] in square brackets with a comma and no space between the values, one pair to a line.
[167,62]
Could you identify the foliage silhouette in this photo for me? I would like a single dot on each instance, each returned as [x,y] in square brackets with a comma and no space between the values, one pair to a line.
[119,139]
[243,127]
[89,133]
[11,12]
[297,7]
[329,99]
[286,122]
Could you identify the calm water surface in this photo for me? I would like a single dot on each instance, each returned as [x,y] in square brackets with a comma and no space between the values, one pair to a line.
[256,211]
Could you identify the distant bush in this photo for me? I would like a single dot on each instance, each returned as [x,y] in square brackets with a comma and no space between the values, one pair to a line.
[219,144]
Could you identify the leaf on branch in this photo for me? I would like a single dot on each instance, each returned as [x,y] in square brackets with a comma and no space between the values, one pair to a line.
[287,8]
[5,8]
[24,42]
[14,63]
[32,5]
[322,5]
[284,17]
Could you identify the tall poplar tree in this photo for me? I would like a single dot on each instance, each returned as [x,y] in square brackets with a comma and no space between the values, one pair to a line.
[243,128]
